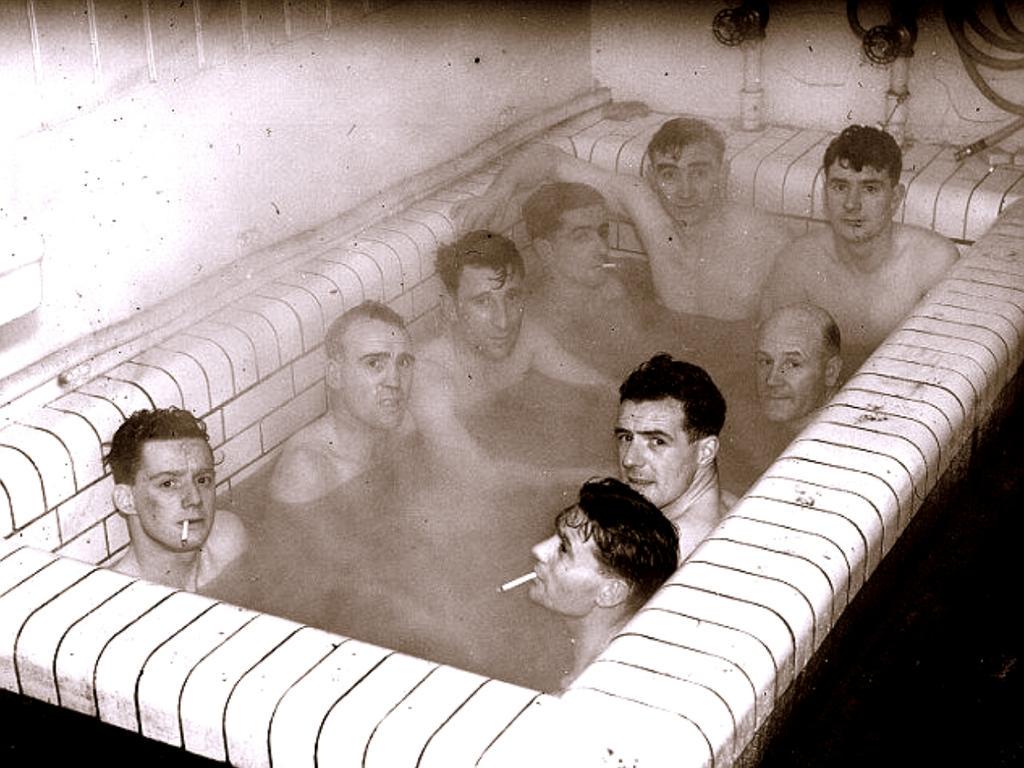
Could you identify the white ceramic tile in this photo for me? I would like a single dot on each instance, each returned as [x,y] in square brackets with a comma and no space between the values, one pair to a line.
[44,630]
[770,179]
[702,707]
[122,662]
[77,437]
[281,320]
[353,720]
[48,455]
[296,721]
[127,397]
[19,602]
[261,335]
[257,403]
[303,306]
[212,680]
[466,736]
[211,360]
[719,645]
[157,384]
[80,650]
[170,665]
[89,546]
[301,410]
[23,484]
[309,369]
[186,372]
[236,345]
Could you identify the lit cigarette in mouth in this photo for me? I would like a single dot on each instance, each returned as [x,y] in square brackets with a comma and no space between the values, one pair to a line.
[609,265]
[516,582]
[184,532]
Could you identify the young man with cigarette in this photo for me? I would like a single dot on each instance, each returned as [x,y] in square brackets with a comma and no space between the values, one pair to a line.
[577,294]
[609,553]
[165,488]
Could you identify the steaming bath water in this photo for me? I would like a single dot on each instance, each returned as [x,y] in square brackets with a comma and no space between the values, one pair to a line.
[411,557]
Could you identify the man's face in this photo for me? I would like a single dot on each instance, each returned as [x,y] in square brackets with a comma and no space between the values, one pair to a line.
[569,576]
[489,311]
[577,249]
[860,204]
[687,183]
[374,373]
[174,483]
[656,457]
[794,374]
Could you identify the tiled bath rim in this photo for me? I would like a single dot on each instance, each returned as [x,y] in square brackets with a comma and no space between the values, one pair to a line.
[689,681]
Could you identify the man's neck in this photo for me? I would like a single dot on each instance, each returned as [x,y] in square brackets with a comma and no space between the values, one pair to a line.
[702,498]
[591,634]
[866,256]
[356,442]
[179,570]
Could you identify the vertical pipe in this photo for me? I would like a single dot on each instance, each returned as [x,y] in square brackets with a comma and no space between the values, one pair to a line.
[896,99]
[243,8]
[33,31]
[147,27]
[94,41]
[287,20]
[752,95]
[197,13]
[327,17]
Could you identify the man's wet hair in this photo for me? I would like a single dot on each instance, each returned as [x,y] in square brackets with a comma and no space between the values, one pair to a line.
[860,146]
[664,378]
[368,310]
[125,452]
[478,248]
[680,132]
[543,209]
[633,540]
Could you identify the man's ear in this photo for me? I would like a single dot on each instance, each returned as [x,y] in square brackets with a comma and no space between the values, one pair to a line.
[613,592]
[707,449]
[124,499]
[833,368]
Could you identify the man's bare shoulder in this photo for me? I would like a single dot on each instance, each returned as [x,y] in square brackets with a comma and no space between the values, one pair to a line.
[926,246]
[228,541]
[308,465]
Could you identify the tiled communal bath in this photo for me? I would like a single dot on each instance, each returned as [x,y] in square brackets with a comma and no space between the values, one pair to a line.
[694,679]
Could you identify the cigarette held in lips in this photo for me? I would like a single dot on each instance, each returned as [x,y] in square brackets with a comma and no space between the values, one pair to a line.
[609,265]
[184,532]
[516,582]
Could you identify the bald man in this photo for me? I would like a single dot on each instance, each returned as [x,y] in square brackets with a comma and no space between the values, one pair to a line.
[798,366]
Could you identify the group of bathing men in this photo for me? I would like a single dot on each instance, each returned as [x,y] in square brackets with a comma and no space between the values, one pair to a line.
[611,549]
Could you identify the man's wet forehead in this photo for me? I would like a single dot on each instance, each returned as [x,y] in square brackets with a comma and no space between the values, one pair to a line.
[663,415]
[375,336]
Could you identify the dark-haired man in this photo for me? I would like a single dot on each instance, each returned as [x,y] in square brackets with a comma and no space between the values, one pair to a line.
[578,294]
[369,377]
[670,416]
[488,346]
[865,269]
[610,552]
[709,257]
[165,488]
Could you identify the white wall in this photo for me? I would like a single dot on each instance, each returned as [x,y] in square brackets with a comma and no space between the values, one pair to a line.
[814,72]
[133,189]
